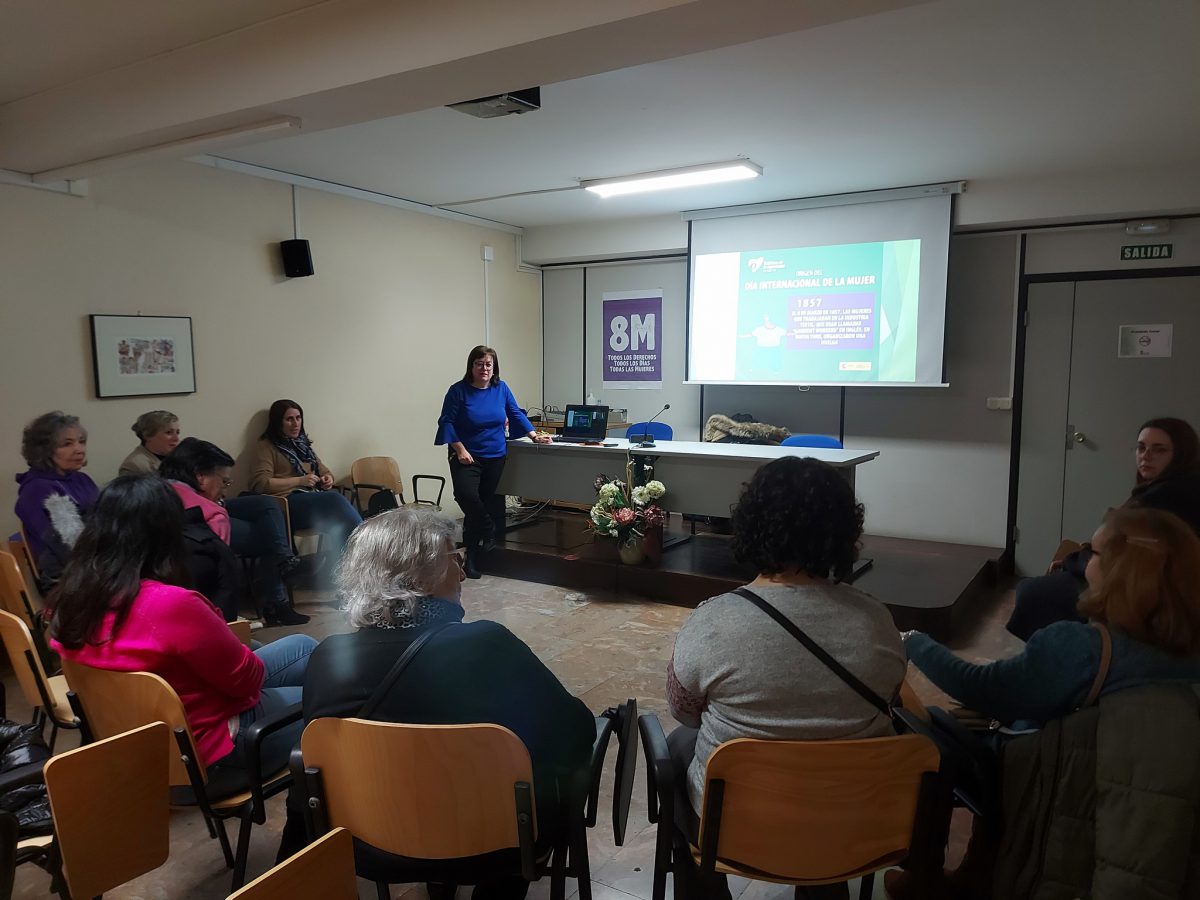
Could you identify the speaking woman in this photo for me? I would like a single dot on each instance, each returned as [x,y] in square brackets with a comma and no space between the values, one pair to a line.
[472,424]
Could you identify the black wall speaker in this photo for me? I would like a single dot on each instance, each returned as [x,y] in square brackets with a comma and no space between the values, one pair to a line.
[297,258]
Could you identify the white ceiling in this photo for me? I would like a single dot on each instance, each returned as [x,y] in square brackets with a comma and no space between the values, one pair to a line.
[929,93]
[885,93]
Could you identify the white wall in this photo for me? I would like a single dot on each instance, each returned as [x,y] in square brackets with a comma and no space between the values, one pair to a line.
[367,345]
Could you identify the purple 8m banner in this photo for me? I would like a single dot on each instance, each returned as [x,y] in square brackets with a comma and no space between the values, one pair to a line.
[632,339]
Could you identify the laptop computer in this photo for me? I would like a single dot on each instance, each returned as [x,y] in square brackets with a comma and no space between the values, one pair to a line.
[583,425]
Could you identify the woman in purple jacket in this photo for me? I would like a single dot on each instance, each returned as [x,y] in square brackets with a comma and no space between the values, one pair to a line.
[54,493]
[472,424]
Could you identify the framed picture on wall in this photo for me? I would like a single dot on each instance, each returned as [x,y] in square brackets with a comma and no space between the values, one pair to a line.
[136,356]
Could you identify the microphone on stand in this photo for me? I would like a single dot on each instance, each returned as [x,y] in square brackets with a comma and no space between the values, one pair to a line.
[647,440]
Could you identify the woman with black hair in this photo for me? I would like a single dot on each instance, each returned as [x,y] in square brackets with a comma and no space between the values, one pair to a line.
[122,605]
[252,526]
[286,465]
[474,413]
[1167,477]
[736,672]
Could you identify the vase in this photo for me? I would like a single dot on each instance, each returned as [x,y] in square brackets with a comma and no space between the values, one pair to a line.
[632,551]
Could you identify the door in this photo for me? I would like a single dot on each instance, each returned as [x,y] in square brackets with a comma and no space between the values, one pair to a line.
[1084,399]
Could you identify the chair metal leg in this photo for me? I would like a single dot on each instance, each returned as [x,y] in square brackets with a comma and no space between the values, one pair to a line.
[219,826]
[243,848]
[867,886]
[383,891]
[53,736]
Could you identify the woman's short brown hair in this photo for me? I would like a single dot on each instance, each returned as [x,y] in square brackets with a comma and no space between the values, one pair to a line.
[1150,576]
[479,352]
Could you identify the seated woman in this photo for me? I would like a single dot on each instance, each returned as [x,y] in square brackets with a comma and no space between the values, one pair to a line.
[251,526]
[400,577]
[285,465]
[736,672]
[1167,456]
[121,605]
[158,432]
[54,495]
[1142,577]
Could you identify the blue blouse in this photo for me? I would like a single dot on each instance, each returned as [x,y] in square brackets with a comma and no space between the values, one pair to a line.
[475,417]
[1052,676]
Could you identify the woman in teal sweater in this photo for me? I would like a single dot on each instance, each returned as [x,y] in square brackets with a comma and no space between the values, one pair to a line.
[1143,578]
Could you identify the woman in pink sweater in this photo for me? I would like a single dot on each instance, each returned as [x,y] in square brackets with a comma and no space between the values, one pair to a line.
[121,605]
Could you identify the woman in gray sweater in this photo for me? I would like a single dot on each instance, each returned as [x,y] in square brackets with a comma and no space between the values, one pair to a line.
[738,673]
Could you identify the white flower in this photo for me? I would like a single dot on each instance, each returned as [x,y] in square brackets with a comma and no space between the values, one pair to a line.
[610,492]
[640,495]
[655,489]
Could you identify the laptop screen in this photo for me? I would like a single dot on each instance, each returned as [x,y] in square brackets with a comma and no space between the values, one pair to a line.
[586,422]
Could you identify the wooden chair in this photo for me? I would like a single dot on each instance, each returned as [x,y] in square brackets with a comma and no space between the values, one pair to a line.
[111,810]
[324,870]
[14,593]
[376,473]
[27,552]
[46,694]
[109,702]
[241,630]
[436,795]
[293,533]
[800,812]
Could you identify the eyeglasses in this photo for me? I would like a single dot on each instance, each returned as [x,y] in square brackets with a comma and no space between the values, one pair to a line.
[1152,450]
[227,482]
[460,556]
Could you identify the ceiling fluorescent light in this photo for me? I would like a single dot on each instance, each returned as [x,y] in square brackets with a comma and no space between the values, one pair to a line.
[666,179]
[187,146]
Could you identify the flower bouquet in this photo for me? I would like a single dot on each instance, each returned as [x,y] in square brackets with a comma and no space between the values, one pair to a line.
[627,513]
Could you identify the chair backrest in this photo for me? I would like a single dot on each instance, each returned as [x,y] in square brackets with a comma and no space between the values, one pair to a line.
[115,702]
[241,630]
[111,809]
[376,470]
[28,552]
[324,870]
[17,639]
[812,440]
[421,791]
[13,593]
[659,431]
[813,810]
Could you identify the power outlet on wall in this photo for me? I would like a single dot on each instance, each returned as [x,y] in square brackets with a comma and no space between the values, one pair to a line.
[488,253]
[999,402]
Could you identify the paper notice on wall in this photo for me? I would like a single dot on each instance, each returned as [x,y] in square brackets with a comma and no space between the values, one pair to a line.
[1144,341]
[632,340]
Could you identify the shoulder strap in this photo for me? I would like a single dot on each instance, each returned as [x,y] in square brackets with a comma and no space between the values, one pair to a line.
[818,651]
[397,670]
[1105,661]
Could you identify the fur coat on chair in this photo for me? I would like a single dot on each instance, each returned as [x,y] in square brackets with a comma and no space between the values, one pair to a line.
[724,430]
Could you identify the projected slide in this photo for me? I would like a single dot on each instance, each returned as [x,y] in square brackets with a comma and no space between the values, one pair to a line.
[845,313]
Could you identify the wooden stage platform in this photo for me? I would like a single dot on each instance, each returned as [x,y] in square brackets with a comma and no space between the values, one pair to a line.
[926,585]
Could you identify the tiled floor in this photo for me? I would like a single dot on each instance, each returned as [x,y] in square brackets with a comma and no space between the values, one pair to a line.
[603,648]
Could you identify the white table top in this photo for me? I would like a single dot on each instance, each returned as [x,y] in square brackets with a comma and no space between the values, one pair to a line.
[708,450]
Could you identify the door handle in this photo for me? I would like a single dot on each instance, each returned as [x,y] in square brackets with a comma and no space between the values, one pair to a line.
[1080,437]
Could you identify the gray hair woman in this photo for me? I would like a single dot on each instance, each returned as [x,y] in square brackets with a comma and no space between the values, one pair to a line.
[54,493]
[158,431]
[401,578]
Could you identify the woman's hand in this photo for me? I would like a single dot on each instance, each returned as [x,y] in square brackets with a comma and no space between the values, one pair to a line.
[463,455]
[326,481]
[539,438]
[307,481]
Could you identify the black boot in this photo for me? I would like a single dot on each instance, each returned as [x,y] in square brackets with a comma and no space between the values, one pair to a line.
[283,614]
[471,564]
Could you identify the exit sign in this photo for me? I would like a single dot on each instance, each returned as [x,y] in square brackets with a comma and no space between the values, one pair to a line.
[1147,251]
